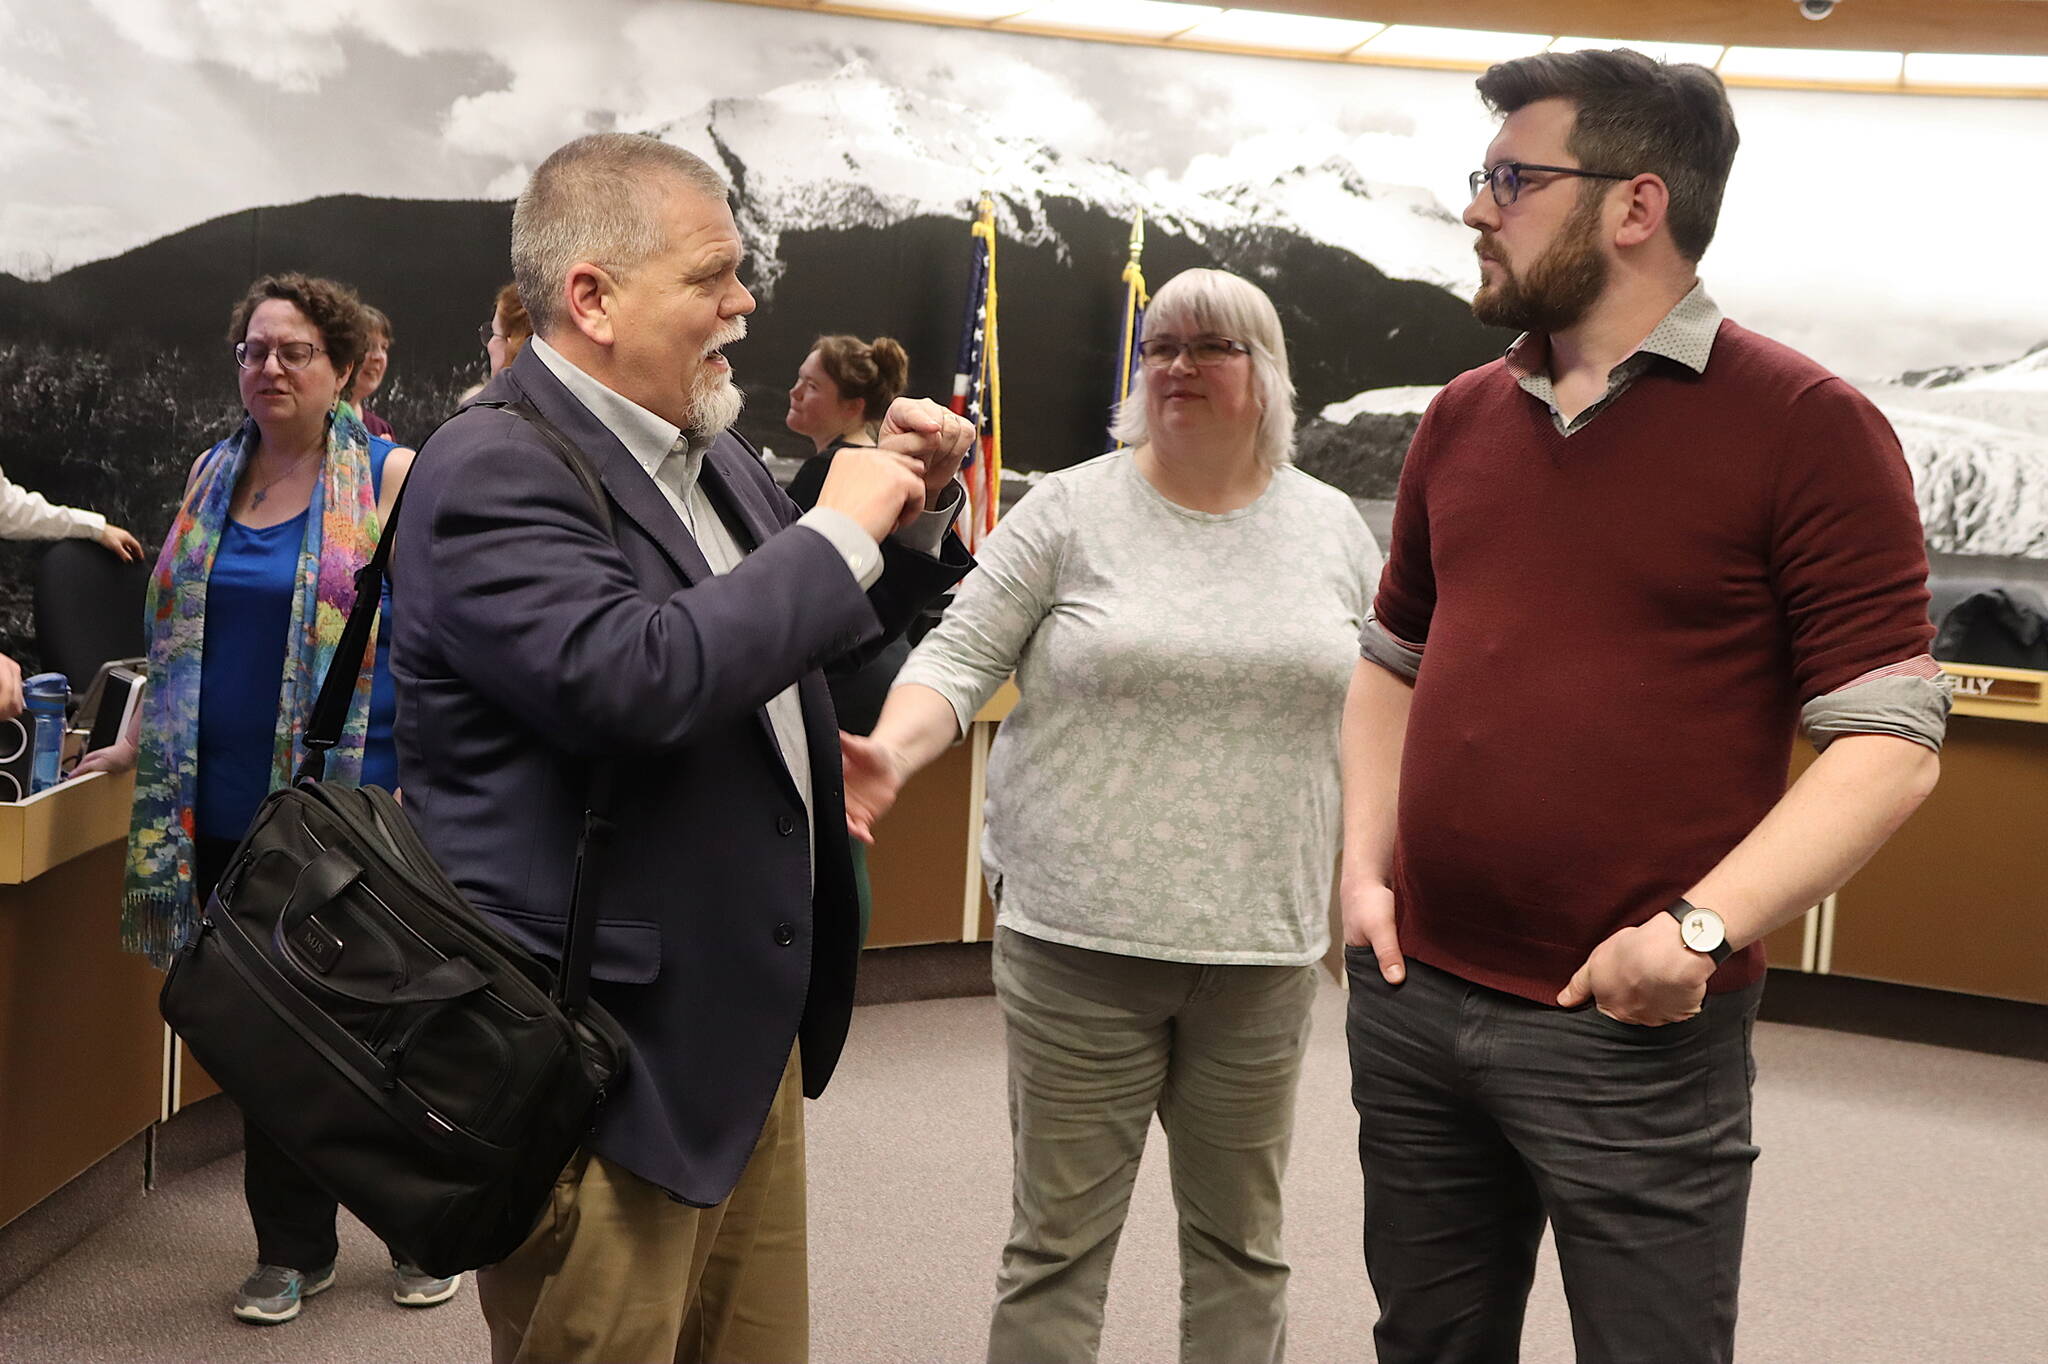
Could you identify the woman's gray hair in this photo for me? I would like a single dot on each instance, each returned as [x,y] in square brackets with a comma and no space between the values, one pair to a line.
[598,199]
[1217,303]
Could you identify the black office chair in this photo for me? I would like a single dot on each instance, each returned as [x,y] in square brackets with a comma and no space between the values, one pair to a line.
[88,608]
[2000,625]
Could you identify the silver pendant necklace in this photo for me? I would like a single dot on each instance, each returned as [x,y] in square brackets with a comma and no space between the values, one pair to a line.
[257,499]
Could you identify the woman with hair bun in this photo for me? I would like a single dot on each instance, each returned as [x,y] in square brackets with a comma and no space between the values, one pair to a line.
[508,331]
[842,389]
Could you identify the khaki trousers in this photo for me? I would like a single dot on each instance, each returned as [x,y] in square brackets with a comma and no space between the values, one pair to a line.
[1098,1044]
[620,1273]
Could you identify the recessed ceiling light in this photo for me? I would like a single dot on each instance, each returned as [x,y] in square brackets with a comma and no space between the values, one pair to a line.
[1955,68]
[1705,54]
[1283,32]
[945,9]
[1453,44]
[975,10]
[1130,18]
[1812,64]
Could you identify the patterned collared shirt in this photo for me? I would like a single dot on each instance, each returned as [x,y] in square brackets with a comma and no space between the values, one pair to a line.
[1686,336]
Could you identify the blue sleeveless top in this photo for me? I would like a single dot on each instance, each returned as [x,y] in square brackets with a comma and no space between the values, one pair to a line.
[248,611]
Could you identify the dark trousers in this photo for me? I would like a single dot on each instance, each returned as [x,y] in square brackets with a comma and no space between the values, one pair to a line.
[294,1217]
[1481,1115]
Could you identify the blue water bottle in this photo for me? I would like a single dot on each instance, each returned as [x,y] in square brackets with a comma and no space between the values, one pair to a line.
[46,695]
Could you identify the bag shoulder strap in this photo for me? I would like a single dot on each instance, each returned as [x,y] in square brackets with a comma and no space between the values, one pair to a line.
[572,984]
[578,462]
[337,689]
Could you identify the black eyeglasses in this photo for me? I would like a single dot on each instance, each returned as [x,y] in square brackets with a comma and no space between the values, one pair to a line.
[1506,178]
[487,332]
[292,354]
[1203,350]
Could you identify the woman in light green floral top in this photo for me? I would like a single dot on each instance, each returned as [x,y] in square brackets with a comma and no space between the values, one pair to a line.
[1162,822]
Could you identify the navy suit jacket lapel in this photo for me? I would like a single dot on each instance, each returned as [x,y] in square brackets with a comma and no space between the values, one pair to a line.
[739,500]
[729,492]
[752,522]
[644,503]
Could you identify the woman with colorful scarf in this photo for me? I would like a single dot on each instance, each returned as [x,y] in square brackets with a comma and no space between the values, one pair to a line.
[244,612]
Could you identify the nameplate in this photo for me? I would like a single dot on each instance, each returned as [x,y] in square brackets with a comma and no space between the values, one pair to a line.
[2019,691]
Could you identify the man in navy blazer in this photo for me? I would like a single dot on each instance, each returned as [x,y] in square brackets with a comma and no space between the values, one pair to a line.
[531,645]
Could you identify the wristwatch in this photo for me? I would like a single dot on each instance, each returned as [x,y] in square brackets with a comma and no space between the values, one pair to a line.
[1701,930]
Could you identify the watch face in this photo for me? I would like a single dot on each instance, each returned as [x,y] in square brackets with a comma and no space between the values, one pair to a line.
[1702,930]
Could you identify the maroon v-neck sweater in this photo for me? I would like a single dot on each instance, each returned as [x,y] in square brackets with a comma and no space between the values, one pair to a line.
[1618,630]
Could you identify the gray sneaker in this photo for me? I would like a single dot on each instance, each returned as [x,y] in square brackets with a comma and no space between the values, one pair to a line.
[412,1286]
[273,1293]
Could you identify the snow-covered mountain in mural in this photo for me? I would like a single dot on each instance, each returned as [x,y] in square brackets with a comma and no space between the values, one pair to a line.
[855,192]
[854,150]
[2029,373]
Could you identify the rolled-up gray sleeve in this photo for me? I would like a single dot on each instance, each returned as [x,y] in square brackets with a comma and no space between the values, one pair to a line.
[1402,659]
[1909,700]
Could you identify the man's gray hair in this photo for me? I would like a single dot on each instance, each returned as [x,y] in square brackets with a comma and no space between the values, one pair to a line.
[596,199]
[1215,303]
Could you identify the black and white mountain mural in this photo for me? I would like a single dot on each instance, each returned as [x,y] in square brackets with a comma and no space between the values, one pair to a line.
[160,155]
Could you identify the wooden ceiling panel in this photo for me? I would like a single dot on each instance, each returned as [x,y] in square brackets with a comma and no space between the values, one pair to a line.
[1997,26]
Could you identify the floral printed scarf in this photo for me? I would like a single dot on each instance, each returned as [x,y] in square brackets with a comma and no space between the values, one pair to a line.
[160,909]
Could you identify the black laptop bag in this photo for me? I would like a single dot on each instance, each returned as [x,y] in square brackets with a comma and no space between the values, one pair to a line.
[424,1069]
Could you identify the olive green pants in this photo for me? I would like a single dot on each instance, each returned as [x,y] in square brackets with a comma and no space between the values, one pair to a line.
[1098,1043]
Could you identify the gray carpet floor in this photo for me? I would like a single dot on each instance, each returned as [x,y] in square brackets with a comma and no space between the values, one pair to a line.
[1900,1215]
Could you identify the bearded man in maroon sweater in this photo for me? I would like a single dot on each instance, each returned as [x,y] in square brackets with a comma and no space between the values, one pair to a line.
[1630,561]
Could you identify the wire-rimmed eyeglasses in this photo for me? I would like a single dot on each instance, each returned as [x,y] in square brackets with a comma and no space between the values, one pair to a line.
[1506,178]
[292,354]
[1204,351]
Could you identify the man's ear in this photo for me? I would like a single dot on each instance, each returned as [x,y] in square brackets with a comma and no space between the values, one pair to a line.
[1649,199]
[588,291]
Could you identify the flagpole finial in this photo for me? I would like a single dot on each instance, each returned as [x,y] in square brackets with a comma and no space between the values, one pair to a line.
[1134,269]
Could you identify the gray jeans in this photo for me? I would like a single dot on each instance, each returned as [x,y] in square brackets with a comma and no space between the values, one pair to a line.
[1481,1114]
[1098,1043]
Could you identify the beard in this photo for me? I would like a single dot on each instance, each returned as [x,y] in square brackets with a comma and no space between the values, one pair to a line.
[1564,282]
[715,405]
[715,400]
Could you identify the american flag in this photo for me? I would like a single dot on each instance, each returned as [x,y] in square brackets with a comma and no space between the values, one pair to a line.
[977,387]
